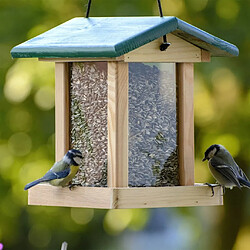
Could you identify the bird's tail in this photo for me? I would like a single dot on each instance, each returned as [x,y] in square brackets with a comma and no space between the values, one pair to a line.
[33,183]
[244,182]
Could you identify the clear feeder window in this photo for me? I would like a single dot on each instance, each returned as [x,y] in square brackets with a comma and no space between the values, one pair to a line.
[153,158]
[88,132]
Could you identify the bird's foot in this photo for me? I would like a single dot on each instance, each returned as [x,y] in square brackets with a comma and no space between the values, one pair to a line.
[212,187]
[73,185]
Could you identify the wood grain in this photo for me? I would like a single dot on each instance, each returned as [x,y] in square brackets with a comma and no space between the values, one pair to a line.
[177,196]
[92,197]
[117,124]
[114,198]
[185,85]
[87,59]
[205,56]
[178,51]
[61,109]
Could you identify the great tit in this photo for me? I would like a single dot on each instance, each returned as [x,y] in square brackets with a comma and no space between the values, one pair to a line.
[62,171]
[224,169]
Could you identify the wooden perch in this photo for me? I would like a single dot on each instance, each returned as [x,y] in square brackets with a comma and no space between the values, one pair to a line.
[113,198]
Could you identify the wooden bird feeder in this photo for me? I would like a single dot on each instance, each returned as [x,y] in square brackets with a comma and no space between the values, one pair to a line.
[128,106]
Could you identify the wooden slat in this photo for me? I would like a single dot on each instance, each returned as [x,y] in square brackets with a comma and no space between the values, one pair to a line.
[92,197]
[185,84]
[205,56]
[87,59]
[117,124]
[61,109]
[147,197]
[178,196]
[178,51]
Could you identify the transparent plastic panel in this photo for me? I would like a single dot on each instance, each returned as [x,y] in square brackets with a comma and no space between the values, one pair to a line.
[153,159]
[88,132]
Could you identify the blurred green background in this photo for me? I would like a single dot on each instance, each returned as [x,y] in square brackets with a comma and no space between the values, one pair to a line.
[222,112]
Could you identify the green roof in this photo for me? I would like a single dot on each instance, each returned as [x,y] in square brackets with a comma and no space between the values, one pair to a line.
[115,36]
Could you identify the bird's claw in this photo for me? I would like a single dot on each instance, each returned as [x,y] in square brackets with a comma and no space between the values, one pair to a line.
[212,187]
[73,185]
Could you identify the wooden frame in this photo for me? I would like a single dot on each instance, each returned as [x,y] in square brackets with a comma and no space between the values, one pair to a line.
[62,113]
[116,198]
[118,194]
[185,85]
[179,51]
[117,124]
[118,120]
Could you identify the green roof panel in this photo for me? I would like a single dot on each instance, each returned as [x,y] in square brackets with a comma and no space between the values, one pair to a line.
[115,36]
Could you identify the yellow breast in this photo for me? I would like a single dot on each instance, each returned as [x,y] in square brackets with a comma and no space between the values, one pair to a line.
[65,181]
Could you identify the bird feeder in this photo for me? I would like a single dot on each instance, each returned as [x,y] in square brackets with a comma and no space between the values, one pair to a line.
[128,106]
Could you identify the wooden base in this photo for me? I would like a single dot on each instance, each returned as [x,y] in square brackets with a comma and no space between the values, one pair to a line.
[114,198]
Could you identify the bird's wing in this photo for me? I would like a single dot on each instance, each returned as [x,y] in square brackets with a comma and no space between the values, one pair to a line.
[229,173]
[244,182]
[51,175]
[242,174]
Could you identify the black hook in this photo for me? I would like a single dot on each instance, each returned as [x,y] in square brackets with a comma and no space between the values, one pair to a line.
[88,9]
[165,43]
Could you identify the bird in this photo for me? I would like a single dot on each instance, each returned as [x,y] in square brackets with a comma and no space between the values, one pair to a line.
[224,168]
[62,172]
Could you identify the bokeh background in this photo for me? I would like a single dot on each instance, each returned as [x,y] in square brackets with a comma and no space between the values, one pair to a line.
[222,112]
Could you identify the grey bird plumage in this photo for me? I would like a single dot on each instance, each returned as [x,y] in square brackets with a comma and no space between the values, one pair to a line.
[224,169]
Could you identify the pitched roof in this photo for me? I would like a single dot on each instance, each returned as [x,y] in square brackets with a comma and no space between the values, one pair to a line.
[115,36]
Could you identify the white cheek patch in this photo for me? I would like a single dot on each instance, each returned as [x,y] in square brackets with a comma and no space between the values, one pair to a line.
[212,153]
[77,160]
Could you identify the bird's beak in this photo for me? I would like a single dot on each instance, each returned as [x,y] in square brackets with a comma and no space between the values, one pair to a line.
[204,159]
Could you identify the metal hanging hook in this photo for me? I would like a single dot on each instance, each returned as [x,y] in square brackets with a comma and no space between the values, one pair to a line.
[165,43]
[88,9]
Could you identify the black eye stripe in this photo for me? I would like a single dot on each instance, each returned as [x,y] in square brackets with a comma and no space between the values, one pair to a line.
[74,153]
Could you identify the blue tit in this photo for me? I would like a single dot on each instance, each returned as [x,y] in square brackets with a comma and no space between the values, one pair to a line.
[62,171]
[224,169]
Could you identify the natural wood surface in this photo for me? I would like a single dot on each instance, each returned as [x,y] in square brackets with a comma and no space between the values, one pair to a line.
[61,109]
[117,124]
[178,196]
[92,197]
[185,85]
[205,56]
[143,197]
[178,51]
[87,59]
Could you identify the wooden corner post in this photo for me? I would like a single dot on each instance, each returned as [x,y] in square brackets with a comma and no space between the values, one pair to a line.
[185,85]
[117,124]
[61,109]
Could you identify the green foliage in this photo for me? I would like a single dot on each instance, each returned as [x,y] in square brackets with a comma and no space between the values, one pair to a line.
[222,110]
